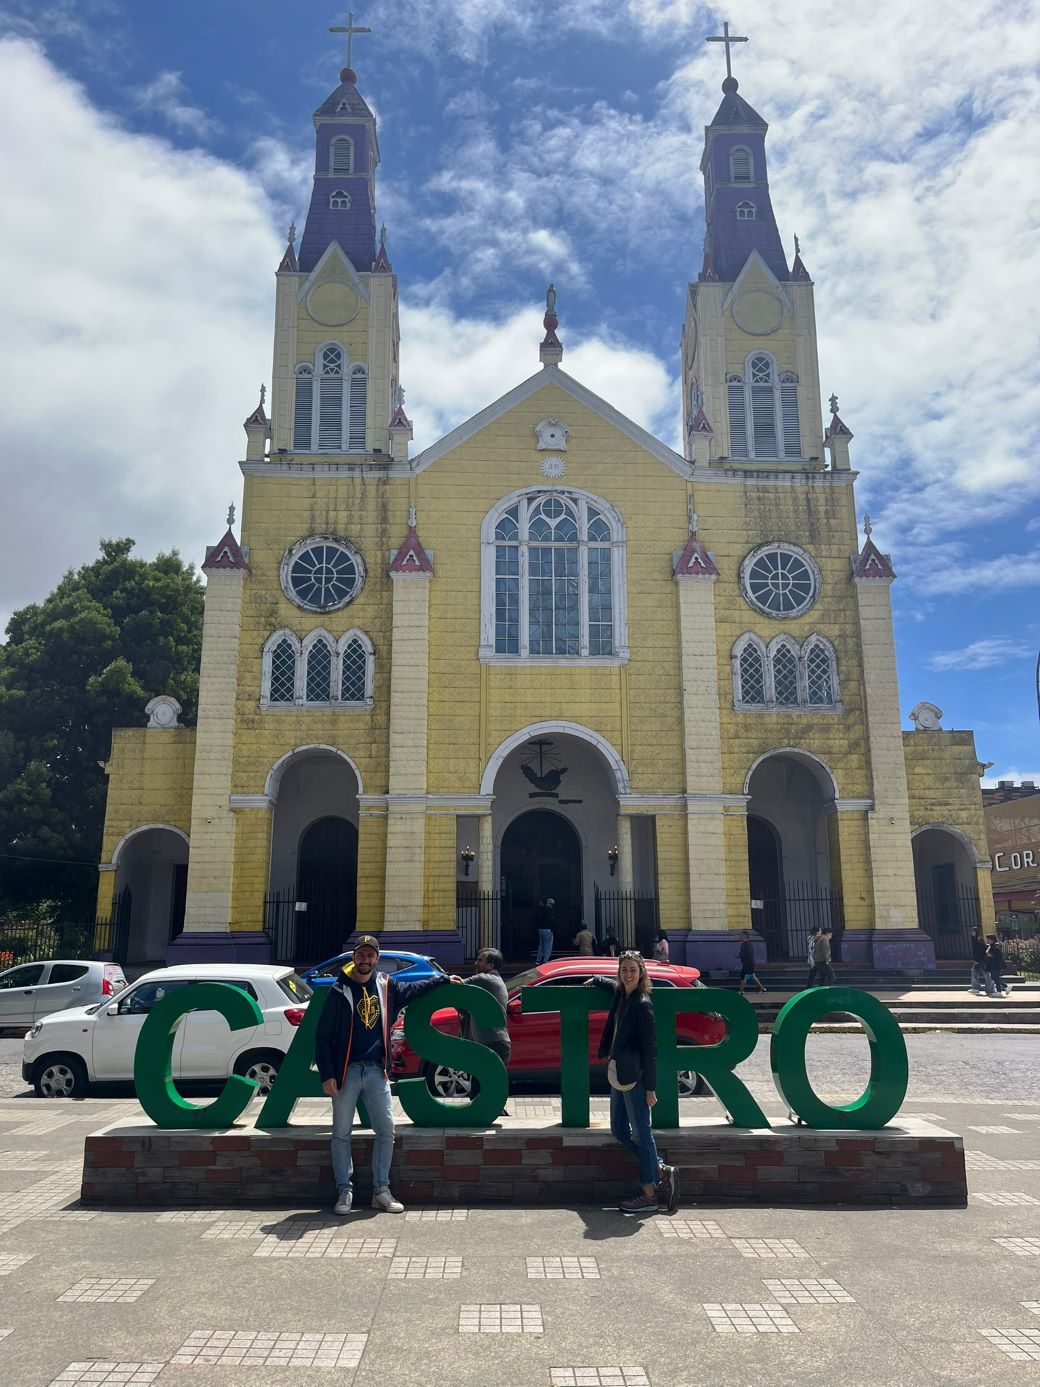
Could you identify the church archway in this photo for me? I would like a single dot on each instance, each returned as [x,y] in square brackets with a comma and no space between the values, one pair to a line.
[541,861]
[789,873]
[152,863]
[311,904]
[947,889]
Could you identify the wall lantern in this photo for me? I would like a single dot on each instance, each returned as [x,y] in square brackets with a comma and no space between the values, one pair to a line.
[466,855]
[612,859]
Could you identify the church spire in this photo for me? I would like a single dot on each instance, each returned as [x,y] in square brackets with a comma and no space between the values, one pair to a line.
[738,212]
[346,154]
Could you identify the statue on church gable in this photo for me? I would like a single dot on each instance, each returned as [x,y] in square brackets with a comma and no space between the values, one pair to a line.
[926,717]
[163,711]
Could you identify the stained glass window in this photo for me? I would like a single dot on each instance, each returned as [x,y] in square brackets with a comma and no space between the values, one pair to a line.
[283,672]
[818,675]
[323,575]
[319,672]
[752,676]
[353,670]
[778,581]
[785,677]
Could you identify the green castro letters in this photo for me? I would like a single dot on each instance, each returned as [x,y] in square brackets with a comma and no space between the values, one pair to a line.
[876,1106]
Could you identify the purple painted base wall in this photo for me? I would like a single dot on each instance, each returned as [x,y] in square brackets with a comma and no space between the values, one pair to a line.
[197,946]
[712,950]
[902,948]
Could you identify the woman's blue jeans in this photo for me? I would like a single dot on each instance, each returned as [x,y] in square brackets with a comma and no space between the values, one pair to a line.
[630,1125]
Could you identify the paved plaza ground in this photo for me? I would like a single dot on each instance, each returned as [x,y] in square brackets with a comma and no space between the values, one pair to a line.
[507,1298]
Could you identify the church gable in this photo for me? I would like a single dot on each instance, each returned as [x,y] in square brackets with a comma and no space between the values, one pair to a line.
[550,381]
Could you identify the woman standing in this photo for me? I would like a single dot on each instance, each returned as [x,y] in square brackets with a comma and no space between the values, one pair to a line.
[629,1043]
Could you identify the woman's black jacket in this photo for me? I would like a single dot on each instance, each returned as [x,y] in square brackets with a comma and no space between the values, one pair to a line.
[635,1049]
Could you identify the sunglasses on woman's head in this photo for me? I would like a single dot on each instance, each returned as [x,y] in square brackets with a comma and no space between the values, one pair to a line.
[631,953]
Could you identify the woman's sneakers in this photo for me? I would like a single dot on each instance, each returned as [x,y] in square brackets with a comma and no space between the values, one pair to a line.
[668,1189]
[641,1204]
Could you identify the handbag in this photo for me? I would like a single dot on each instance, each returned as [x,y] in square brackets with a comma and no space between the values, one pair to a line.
[612,1074]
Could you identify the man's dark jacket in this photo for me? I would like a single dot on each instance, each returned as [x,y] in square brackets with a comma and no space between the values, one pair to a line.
[336,1023]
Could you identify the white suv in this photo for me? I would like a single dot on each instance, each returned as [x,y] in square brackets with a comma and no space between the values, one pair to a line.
[65,1053]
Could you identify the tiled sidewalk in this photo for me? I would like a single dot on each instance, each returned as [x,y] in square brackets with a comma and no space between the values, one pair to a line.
[492,1297]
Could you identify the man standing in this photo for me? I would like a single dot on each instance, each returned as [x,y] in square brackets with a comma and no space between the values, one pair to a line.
[747,963]
[822,954]
[351,1052]
[546,931]
[488,976]
[980,978]
[814,934]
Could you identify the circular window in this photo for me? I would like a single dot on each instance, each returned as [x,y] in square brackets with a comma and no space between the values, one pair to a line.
[322,573]
[779,580]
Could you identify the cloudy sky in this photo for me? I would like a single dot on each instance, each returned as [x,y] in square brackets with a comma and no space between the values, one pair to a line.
[155,153]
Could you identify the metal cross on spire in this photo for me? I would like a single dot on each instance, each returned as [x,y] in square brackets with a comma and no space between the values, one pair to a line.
[727,38]
[350,29]
[231,515]
[867,526]
[833,404]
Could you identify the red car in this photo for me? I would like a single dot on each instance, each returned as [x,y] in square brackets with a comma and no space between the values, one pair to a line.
[535,1036]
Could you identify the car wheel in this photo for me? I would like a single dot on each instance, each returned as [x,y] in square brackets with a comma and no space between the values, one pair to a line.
[261,1069]
[448,1083]
[60,1076]
[691,1084]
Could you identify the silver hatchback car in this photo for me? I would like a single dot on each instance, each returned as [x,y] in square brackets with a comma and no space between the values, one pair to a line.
[31,991]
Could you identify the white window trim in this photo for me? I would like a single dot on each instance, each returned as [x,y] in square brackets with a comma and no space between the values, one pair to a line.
[619,604]
[767,652]
[339,200]
[744,204]
[340,140]
[301,544]
[351,369]
[301,650]
[742,182]
[749,562]
[778,380]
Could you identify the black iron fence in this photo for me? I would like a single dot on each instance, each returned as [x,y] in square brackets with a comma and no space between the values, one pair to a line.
[478,918]
[35,940]
[307,932]
[786,918]
[633,916]
[948,918]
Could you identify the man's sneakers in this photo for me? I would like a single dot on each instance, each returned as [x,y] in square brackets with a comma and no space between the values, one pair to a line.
[668,1190]
[344,1202]
[387,1203]
[641,1204]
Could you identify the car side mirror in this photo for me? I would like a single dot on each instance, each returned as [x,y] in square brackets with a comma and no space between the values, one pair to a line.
[513,1007]
[113,1010]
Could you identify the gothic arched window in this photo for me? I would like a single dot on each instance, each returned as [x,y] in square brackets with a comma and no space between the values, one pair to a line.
[317,672]
[341,155]
[741,169]
[339,201]
[783,653]
[553,578]
[356,659]
[331,406]
[279,661]
[821,673]
[745,212]
[318,676]
[749,672]
[763,410]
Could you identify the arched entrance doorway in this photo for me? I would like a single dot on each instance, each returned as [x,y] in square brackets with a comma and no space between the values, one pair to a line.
[541,860]
[791,795]
[947,889]
[152,866]
[326,882]
[311,906]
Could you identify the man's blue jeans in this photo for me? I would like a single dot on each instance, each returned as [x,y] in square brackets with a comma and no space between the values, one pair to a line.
[545,946]
[630,1125]
[368,1082]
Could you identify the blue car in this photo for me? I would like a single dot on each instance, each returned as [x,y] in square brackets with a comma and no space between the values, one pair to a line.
[402,964]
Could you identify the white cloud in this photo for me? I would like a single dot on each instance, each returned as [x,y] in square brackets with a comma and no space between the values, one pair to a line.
[490,356]
[955,571]
[982,654]
[137,331]
[164,97]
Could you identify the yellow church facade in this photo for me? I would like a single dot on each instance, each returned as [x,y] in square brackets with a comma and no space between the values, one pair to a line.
[548,669]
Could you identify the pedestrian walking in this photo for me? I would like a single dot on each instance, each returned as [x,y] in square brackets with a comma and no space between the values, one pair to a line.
[546,931]
[585,940]
[995,965]
[629,1044]
[980,978]
[488,976]
[814,934]
[351,1053]
[611,944]
[746,954]
[822,955]
[661,947]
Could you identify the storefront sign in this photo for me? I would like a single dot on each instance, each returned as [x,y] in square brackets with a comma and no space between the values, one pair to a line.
[876,1106]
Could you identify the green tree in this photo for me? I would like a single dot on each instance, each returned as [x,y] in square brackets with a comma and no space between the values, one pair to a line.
[88,658]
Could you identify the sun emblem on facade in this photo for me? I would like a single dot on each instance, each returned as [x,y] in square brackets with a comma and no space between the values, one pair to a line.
[552,466]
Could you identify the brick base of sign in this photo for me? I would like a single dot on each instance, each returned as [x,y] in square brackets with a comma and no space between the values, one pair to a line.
[910,1164]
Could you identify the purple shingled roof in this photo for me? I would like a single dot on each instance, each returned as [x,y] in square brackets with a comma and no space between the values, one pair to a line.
[344,112]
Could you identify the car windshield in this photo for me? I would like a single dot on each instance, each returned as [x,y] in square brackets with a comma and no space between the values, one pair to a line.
[524,979]
[295,988]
